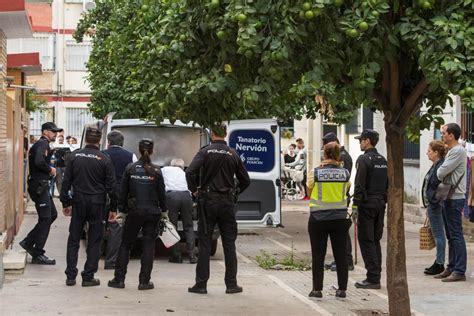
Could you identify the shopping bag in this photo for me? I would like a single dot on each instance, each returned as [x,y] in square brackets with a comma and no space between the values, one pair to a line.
[168,233]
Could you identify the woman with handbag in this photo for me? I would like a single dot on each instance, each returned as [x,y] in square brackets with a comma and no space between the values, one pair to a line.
[142,203]
[436,153]
[329,217]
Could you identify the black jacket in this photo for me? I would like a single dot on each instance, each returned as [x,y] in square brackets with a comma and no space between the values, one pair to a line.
[430,184]
[142,191]
[219,164]
[346,159]
[39,160]
[371,181]
[89,172]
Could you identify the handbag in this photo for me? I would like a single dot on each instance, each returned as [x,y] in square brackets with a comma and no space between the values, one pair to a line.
[168,233]
[427,241]
[445,191]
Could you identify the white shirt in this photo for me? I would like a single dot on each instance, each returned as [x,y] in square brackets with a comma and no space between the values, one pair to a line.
[175,178]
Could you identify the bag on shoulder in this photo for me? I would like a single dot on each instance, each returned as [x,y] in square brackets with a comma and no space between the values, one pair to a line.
[445,191]
[427,241]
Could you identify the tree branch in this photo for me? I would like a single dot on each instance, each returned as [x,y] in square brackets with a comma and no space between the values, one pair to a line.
[385,84]
[394,86]
[412,103]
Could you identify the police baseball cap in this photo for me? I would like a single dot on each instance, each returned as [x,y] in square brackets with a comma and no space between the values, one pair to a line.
[146,144]
[369,134]
[50,126]
[330,137]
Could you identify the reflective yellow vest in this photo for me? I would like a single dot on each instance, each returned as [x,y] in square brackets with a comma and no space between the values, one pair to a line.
[331,184]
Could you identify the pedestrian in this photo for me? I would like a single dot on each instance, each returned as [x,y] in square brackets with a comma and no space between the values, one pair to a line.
[436,152]
[142,203]
[217,164]
[38,188]
[32,140]
[120,159]
[329,184]
[90,174]
[453,171]
[346,163]
[68,139]
[300,164]
[180,203]
[370,197]
[290,156]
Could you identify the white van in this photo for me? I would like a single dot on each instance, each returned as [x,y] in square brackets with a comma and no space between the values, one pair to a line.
[256,141]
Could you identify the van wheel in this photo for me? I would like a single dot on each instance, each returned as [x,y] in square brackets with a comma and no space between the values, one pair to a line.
[214,247]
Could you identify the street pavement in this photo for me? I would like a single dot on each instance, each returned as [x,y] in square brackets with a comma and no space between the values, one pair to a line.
[41,290]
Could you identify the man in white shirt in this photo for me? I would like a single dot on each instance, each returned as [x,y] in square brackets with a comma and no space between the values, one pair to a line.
[179,201]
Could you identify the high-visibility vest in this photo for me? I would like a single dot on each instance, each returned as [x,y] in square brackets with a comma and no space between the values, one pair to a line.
[331,184]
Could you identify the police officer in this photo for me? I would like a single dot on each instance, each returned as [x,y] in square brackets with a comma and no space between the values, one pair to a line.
[329,217]
[120,158]
[90,174]
[346,160]
[143,198]
[39,189]
[217,193]
[370,196]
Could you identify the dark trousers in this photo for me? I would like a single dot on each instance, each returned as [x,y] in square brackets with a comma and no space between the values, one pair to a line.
[180,202]
[47,213]
[148,224]
[85,209]
[114,239]
[319,231]
[452,214]
[220,210]
[370,230]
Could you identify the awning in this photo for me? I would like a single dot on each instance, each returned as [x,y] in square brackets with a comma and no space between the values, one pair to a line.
[14,20]
[28,63]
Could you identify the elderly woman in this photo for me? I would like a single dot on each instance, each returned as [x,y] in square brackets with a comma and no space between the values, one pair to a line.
[436,152]
[329,217]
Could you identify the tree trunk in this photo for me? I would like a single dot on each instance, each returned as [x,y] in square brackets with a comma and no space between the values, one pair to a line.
[397,286]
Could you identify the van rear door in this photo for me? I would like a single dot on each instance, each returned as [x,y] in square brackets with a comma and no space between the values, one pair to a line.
[258,144]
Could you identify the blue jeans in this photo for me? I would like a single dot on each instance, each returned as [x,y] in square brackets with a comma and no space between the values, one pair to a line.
[457,246]
[435,215]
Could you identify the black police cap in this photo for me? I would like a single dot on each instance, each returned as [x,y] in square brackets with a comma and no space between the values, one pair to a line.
[330,137]
[146,144]
[50,126]
[368,134]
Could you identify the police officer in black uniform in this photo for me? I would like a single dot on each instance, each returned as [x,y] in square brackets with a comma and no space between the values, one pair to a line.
[370,197]
[39,189]
[217,193]
[91,176]
[143,198]
[346,160]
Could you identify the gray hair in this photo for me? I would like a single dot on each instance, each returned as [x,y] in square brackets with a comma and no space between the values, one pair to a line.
[115,138]
[178,162]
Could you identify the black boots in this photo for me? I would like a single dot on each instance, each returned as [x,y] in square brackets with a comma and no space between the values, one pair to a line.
[436,268]
[118,284]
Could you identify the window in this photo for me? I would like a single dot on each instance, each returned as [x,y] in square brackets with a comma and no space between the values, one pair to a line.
[77,55]
[76,118]
[43,43]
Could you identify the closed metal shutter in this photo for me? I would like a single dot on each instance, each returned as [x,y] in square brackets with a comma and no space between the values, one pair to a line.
[75,120]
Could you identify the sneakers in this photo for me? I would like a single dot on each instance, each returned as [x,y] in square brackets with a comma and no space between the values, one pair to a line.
[193,259]
[454,277]
[175,259]
[70,282]
[367,285]
[146,286]
[91,282]
[436,268]
[197,289]
[317,294]
[443,274]
[340,293]
[42,259]
[118,284]
[234,289]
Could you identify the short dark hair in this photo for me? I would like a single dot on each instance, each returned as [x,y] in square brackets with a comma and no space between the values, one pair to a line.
[219,130]
[455,129]
[299,140]
[292,145]
[93,135]
[115,138]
